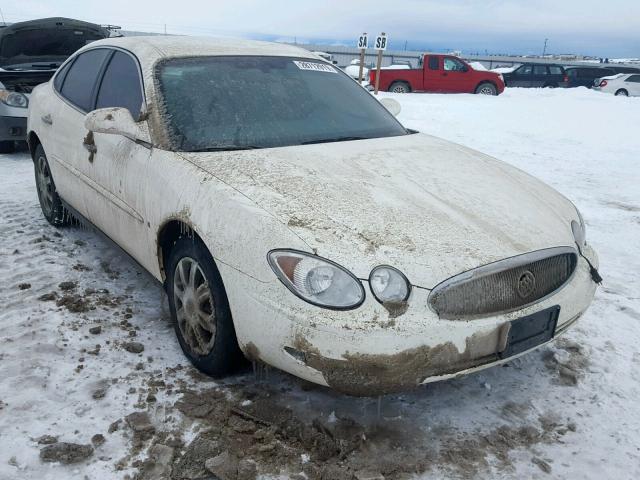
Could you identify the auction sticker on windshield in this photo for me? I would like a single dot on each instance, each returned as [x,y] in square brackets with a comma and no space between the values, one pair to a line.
[318,67]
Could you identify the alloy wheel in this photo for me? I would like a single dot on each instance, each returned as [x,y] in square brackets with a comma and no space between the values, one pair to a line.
[194,305]
[45,185]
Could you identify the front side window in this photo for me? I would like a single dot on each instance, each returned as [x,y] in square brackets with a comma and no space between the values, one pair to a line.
[80,80]
[434,63]
[120,86]
[539,70]
[453,65]
[524,70]
[238,102]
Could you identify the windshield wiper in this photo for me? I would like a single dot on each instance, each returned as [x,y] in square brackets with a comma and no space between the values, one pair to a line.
[45,65]
[336,139]
[225,148]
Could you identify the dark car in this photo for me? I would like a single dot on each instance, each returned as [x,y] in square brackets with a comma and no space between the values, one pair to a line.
[585,76]
[30,53]
[536,75]
[621,69]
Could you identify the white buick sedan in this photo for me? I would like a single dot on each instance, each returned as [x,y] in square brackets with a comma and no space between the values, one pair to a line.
[292,218]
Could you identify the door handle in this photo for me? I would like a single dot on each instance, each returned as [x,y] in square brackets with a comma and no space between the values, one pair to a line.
[46,119]
[90,146]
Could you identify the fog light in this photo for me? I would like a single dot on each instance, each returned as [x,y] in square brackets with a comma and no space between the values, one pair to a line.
[389,284]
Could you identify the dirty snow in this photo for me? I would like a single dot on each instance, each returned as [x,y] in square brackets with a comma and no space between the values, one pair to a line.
[567,411]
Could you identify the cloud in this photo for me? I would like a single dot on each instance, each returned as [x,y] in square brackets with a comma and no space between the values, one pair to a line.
[583,26]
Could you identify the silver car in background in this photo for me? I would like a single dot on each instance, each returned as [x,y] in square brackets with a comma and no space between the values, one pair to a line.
[30,53]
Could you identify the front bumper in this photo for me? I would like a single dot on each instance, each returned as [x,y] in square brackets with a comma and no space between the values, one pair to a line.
[13,128]
[373,350]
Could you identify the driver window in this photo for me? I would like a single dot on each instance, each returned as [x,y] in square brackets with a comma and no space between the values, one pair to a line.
[524,70]
[453,65]
[121,85]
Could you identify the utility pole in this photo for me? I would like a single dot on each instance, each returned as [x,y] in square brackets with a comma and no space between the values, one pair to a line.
[544,50]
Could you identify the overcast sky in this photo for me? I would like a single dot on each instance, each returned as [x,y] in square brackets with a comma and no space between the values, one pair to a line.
[603,28]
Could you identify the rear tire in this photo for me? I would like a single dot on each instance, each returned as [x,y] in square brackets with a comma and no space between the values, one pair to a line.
[200,309]
[550,85]
[622,93]
[7,146]
[486,89]
[399,87]
[50,202]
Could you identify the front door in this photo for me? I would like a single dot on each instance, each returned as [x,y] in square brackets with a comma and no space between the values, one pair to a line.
[521,77]
[456,75]
[117,167]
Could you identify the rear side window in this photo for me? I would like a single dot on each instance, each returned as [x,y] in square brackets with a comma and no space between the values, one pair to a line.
[555,70]
[539,70]
[434,63]
[634,79]
[81,78]
[57,82]
[120,85]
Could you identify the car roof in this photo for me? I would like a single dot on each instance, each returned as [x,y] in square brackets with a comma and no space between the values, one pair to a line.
[152,48]
[599,67]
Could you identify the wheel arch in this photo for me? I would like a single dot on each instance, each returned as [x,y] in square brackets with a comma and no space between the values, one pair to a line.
[393,82]
[169,233]
[33,141]
[490,82]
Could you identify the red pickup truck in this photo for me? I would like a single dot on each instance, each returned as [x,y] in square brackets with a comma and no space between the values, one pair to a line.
[439,73]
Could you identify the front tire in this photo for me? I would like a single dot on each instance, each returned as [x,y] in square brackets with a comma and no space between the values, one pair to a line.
[399,87]
[50,202]
[486,89]
[200,309]
[622,93]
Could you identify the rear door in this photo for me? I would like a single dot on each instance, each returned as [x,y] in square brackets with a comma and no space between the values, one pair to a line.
[75,96]
[521,77]
[540,76]
[433,79]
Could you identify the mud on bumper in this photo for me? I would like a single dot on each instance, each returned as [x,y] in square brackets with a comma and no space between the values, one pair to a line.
[372,351]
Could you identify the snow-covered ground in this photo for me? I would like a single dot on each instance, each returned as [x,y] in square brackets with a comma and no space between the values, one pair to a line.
[570,410]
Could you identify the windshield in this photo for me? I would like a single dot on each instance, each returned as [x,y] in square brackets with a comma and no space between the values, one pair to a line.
[47,47]
[240,102]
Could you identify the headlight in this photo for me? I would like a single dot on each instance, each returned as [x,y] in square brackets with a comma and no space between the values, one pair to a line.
[317,280]
[14,99]
[389,284]
[579,231]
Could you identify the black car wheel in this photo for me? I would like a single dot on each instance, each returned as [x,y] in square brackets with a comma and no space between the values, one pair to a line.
[200,309]
[622,93]
[486,89]
[399,87]
[50,202]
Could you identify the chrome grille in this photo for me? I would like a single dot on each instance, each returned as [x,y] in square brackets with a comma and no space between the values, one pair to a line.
[505,285]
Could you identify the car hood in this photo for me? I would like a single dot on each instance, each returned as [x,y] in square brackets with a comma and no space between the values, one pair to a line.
[429,207]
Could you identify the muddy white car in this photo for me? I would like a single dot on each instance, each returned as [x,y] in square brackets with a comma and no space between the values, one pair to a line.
[292,218]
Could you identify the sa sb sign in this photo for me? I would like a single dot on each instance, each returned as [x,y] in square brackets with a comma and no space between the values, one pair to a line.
[362,41]
[381,42]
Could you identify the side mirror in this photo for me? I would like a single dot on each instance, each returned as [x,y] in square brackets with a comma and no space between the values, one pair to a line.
[116,121]
[465,68]
[392,105]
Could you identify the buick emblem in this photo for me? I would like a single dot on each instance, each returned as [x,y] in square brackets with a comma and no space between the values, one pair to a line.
[526,284]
